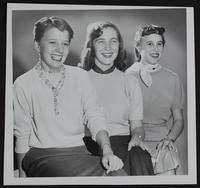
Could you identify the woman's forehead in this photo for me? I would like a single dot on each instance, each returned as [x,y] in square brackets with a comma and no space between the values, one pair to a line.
[152,37]
[53,32]
[108,32]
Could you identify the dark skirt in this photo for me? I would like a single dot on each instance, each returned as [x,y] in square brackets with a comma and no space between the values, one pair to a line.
[63,162]
[136,161]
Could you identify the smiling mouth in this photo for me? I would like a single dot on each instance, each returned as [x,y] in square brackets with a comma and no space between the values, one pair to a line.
[56,57]
[155,55]
[107,55]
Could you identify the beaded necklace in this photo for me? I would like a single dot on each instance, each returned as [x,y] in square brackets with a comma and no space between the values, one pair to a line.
[55,89]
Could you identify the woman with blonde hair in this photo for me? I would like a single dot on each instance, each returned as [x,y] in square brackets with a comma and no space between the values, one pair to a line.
[119,95]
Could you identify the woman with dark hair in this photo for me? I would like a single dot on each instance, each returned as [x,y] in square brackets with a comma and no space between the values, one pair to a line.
[120,97]
[163,98]
[49,103]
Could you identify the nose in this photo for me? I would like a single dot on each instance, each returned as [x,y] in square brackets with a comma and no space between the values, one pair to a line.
[59,48]
[156,48]
[107,46]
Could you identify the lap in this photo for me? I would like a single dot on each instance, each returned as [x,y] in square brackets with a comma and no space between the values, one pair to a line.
[136,161]
[62,162]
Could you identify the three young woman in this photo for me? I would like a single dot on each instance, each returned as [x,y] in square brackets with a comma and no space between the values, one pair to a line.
[53,101]
[49,103]
[119,94]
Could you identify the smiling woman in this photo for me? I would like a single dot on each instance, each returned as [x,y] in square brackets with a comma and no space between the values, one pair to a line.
[163,98]
[119,95]
[48,111]
[52,43]
[106,48]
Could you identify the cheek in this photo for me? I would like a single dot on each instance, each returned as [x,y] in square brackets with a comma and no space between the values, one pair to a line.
[143,53]
[116,47]
[66,50]
[45,49]
[97,50]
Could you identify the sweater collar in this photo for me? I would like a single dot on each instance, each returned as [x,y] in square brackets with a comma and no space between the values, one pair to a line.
[100,71]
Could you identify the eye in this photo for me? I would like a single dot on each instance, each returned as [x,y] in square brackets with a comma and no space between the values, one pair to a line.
[160,44]
[100,41]
[66,44]
[114,41]
[52,42]
[149,44]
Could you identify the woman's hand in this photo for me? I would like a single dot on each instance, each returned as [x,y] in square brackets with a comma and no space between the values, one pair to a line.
[137,141]
[111,162]
[166,142]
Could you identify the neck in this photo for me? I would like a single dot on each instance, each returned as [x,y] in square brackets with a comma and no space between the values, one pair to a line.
[103,67]
[49,69]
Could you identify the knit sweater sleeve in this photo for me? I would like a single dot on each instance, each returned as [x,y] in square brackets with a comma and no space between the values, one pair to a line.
[22,118]
[178,97]
[92,110]
[135,97]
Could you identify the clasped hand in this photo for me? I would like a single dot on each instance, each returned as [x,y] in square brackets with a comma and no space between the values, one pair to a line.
[111,162]
[136,141]
[166,142]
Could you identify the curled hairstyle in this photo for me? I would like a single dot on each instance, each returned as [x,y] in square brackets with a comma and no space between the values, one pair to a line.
[45,23]
[94,31]
[144,31]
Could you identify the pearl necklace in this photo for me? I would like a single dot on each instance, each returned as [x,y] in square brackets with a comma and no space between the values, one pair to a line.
[55,89]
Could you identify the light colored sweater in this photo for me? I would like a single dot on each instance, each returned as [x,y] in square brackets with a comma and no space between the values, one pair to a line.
[165,93]
[121,98]
[35,122]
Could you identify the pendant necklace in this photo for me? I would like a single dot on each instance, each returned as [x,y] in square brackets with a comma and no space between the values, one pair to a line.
[55,89]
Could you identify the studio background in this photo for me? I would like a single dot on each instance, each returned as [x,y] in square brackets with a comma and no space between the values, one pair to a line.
[174,57]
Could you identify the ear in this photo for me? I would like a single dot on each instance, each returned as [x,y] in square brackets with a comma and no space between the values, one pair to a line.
[37,46]
[138,47]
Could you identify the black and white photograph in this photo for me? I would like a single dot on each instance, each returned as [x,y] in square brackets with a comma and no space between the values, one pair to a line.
[99,94]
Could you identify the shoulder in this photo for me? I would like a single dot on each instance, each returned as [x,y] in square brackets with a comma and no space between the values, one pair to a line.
[76,71]
[25,79]
[135,67]
[131,78]
[78,75]
[169,73]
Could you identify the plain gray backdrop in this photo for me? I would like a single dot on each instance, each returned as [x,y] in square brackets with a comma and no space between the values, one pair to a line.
[174,57]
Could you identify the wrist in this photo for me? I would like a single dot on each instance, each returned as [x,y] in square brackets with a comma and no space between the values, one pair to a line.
[106,148]
[169,138]
[139,136]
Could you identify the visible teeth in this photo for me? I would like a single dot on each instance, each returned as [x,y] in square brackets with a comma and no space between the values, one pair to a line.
[154,55]
[56,57]
[107,55]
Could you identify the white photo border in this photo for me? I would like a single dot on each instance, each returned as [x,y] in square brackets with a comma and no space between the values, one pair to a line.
[9,178]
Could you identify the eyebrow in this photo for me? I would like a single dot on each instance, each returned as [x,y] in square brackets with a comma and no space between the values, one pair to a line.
[56,39]
[101,38]
[152,41]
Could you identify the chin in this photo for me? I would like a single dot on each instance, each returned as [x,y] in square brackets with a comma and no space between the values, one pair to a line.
[153,62]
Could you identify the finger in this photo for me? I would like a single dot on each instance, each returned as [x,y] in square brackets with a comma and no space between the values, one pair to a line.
[110,164]
[165,144]
[119,164]
[170,147]
[174,148]
[130,145]
[159,146]
[142,146]
[115,163]
[105,163]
